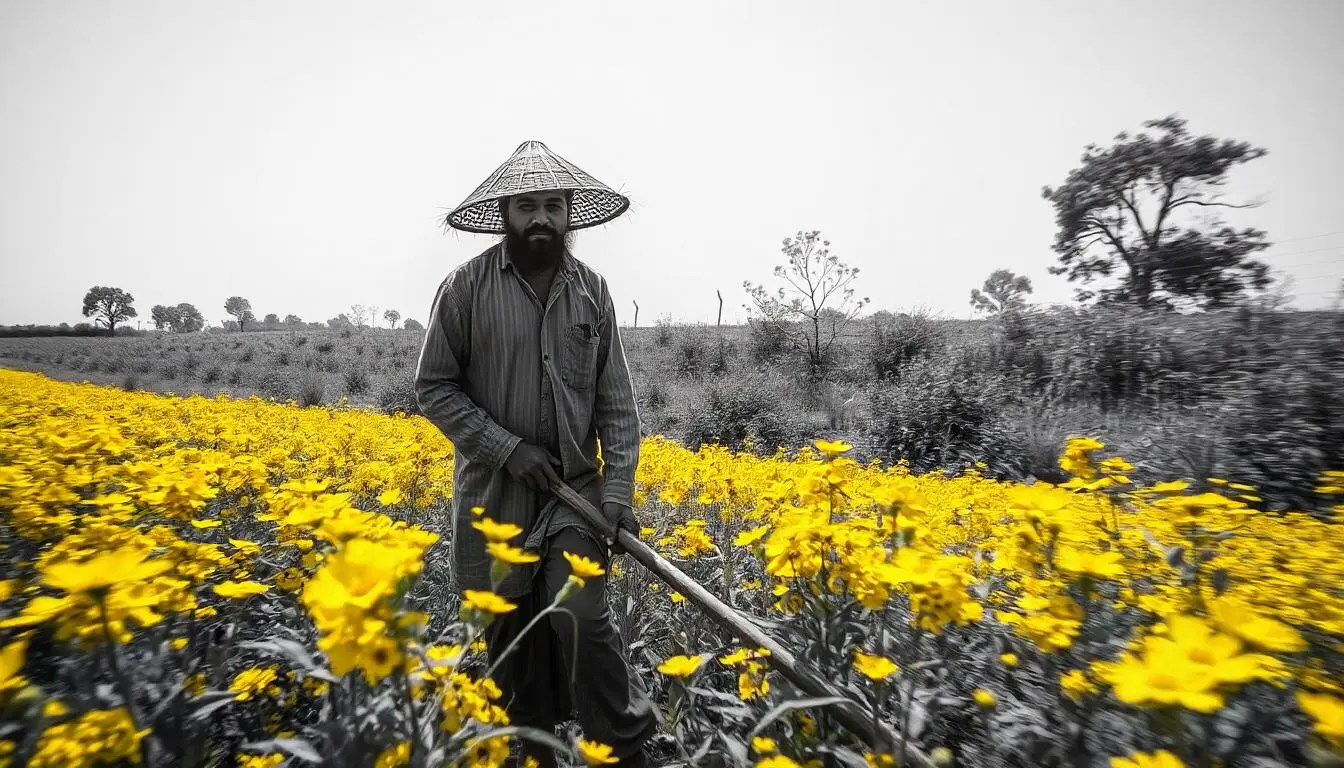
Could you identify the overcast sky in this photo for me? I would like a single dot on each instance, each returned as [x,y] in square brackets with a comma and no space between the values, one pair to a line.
[301,154]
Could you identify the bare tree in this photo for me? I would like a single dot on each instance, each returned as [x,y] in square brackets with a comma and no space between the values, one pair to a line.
[815,303]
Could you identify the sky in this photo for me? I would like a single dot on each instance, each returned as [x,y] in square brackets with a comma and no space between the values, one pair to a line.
[302,154]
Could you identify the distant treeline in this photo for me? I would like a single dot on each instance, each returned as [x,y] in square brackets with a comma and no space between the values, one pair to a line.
[64,329]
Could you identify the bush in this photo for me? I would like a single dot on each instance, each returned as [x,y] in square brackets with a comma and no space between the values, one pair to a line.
[693,352]
[932,418]
[356,381]
[312,390]
[900,339]
[272,383]
[398,394]
[767,342]
[744,414]
[211,375]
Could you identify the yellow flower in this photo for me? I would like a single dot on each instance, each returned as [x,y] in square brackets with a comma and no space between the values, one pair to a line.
[395,756]
[874,667]
[486,602]
[833,447]
[594,753]
[583,568]
[1159,759]
[239,590]
[511,555]
[391,497]
[178,643]
[494,531]
[1008,659]
[984,699]
[777,761]
[763,745]
[269,760]
[55,708]
[120,566]
[680,666]
[1326,713]
[250,683]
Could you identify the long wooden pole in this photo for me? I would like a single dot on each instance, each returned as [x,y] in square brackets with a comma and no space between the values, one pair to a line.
[850,714]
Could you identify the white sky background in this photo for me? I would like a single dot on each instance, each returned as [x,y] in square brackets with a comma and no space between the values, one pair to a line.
[300,154]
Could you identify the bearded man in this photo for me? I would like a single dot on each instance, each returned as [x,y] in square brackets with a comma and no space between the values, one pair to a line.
[523,369]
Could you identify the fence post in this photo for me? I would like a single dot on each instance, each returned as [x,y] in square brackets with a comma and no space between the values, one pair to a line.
[636,303]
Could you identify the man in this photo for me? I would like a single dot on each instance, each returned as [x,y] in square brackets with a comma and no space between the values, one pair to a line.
[522,368]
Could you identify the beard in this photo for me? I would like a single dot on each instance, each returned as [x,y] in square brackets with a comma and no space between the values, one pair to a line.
[531,255]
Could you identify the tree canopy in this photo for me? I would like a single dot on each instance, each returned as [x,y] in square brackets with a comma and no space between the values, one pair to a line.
[1127,211]
[108,306]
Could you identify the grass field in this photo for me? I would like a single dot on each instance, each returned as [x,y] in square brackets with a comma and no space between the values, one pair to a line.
[1239,394]
[210,581]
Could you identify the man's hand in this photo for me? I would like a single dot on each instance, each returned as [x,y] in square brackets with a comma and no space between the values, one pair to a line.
[534,467]
[619,517]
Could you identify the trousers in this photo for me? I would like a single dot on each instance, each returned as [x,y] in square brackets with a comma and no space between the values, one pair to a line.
[573,662]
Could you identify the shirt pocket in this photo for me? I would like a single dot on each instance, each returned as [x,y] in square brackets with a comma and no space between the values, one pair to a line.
[578,362]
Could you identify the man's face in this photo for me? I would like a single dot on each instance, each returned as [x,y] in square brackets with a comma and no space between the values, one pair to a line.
[540,218]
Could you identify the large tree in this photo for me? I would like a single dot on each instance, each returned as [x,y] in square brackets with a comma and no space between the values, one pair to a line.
[163,316]
[814,303]
[108,306]
[1127,211]
[189,318]
[241,309]
[1003,291]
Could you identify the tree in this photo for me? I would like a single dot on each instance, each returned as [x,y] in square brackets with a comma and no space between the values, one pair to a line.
[815,304]
[339,322]
[189,318]
[271,320]
[1002,290]
[1118,212]
[164,317]
[293,321]
[358,313]
[391,316]
[241,309]
[108,306]
[412,324]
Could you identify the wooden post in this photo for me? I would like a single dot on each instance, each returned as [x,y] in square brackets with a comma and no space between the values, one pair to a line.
[636,303]
[719,322]
[855,717]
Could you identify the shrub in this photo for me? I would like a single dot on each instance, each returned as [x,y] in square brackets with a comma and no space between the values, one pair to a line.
[282,358]
[744,414]
[900,339]
[398,394]
[691,356]
[312,390]
[662,335]
[767,342]
[211,375]
[247,355]
[932,418]
[236,377]
[272,383]
[356,381]
[325,347]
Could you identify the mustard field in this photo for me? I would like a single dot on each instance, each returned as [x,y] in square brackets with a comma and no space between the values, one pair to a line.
[195,581]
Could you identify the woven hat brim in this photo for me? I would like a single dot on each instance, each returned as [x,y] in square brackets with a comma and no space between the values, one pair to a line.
[588,208]
[535,168]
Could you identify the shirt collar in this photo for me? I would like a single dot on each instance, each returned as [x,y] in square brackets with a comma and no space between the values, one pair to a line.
[567,261]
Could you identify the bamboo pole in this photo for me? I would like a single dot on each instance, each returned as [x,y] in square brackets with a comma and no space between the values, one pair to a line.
[850,714]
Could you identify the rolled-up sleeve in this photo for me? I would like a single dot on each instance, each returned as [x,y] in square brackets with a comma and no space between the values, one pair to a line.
[439,380]
[616,414]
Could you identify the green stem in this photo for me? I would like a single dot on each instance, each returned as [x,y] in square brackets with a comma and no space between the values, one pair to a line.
[123,682]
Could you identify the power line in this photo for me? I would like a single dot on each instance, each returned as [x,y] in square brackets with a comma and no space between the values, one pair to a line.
[1311,237]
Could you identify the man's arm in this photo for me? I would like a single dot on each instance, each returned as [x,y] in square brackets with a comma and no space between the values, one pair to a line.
[616,414]
[439,380]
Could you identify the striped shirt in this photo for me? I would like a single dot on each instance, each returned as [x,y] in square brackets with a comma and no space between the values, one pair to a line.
[499,366]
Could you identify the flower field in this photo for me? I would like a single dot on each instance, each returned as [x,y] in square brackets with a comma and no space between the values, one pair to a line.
[196,581]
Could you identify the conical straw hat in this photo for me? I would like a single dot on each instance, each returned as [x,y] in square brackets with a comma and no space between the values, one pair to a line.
[535,168]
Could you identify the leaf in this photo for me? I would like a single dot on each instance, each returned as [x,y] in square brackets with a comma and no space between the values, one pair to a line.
[217,701]
[296,653]
[788,706]
[299,748]
[736,749]
[702,751]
